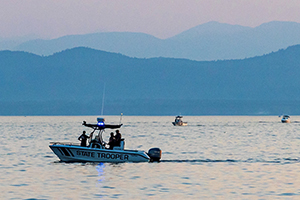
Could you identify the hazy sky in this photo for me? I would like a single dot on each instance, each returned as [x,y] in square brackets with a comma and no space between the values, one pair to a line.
[161,18]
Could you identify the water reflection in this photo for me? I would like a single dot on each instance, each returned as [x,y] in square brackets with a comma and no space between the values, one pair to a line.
[236,157]
[100,169]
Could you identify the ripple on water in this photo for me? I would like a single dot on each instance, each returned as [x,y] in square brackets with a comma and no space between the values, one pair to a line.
[213,157]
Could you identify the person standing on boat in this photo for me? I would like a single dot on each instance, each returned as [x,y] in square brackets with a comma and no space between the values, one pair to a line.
[83,139]
[111,141]
[118,138]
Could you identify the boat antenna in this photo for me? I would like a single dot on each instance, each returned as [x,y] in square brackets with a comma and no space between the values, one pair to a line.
[121,118]
[103,100]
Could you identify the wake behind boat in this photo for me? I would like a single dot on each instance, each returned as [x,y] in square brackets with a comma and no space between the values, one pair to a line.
[97,150]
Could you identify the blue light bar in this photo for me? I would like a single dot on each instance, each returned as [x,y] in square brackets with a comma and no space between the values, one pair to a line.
[101,124]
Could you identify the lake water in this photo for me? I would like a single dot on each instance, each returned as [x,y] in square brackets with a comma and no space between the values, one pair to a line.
[214,157]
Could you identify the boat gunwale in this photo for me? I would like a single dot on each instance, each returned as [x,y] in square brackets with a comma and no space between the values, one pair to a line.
[97,149]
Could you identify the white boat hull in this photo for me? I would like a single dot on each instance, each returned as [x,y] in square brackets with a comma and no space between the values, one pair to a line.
[74,153]
[285,120]
[180,124]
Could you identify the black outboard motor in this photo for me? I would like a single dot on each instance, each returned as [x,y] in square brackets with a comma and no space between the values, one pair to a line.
[154,154]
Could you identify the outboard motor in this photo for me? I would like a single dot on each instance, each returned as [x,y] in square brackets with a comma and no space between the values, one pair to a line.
[154,154]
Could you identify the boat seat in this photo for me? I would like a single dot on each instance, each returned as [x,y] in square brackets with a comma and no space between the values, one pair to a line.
[122,145]
[95,144]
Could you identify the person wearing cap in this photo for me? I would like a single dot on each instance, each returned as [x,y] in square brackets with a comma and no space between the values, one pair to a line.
[83,139]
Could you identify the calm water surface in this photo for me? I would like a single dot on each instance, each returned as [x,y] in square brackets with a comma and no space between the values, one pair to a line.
[215,157]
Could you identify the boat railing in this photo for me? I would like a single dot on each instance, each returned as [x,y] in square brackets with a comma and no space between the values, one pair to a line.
[65,143]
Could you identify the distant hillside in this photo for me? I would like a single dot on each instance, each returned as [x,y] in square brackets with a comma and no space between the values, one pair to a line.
[131,44]
[209,41]
[72,82]
[11,43]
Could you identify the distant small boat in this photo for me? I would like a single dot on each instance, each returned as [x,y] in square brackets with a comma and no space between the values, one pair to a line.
[285,119]
[178,121]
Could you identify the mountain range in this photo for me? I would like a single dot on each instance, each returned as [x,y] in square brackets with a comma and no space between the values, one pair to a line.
[206,42]
[72,82]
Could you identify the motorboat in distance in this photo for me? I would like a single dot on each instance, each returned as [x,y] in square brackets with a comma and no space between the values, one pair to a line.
[97,150]
[285,119]
[178,121]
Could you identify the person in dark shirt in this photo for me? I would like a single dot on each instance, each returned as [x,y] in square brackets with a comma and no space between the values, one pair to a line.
[112,141]
[118,138]
[83,139]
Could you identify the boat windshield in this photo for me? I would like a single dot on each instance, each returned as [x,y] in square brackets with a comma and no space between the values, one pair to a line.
[97,137]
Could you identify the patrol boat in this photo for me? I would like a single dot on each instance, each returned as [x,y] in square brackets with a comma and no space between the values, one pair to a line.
[97,150]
